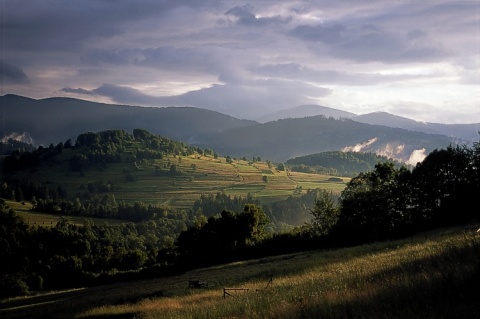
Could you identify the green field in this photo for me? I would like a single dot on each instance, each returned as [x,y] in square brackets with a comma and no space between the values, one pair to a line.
[195,175]
[431,275]
[48,220]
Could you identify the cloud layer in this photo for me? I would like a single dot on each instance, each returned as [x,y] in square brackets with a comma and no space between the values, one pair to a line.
[414,59]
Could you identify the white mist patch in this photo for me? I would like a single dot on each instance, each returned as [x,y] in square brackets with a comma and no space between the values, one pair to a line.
[416,156]
[391,151]
[359,147]
[24,137]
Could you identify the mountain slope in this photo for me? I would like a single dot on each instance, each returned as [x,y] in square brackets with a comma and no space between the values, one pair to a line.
[466,132]
[55,120]
[284,139]
[306,111]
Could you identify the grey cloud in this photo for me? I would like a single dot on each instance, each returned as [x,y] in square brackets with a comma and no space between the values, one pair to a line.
[415,34]
[118,94]
[247,100]
[124,94]
[207,60]
[38,26]
[369,42]
[11,74]
[77,91]
[251,99]
[68,25]
[245,16]
[181,58]
[326,34]
[168,47]
[112,56]
[296,70]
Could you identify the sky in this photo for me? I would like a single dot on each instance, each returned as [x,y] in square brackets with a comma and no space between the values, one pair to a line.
[416,59]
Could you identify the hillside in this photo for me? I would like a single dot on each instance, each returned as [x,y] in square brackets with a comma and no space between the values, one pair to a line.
[459,132]
[462,133]
[431,275]
[148,168]
[338,163]
[306,111]
[285,139]
[55,120]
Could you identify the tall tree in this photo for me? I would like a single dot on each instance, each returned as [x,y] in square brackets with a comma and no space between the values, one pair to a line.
[374,204]
[325,213]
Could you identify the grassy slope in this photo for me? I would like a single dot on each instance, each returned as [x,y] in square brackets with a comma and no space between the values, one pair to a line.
[199,175]
[49,220]
[432,275]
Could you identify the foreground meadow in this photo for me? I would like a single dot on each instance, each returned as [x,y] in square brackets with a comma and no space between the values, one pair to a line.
[433,275]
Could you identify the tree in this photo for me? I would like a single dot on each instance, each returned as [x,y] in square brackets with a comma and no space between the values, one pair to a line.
[445,183]
[374,205]
[324,213]
[253,221]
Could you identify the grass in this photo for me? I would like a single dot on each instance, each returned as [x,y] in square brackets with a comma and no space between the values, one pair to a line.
[200,175]
[432,275]
[49,220]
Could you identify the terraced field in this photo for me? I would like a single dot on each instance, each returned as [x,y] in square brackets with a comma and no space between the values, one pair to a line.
[152,181]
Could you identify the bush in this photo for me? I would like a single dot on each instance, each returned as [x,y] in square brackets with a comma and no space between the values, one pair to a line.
[12,286]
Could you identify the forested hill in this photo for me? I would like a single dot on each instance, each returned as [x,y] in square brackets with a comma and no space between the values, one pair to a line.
[338,163]
[285,139]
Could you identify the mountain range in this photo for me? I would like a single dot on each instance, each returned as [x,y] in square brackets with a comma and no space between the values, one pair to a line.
[299,131]
[461,132]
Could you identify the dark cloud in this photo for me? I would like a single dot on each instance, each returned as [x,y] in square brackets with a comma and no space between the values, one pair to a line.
[11,74]
[77,91]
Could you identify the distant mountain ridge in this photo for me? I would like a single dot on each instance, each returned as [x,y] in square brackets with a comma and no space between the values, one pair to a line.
[460,132]
[306,111]
[54,120]
[289,138]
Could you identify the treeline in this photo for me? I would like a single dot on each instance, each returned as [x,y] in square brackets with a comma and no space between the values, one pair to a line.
[338,163]
[386,203]
[10,145]
[283,214]
[66,255]
[99,149]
